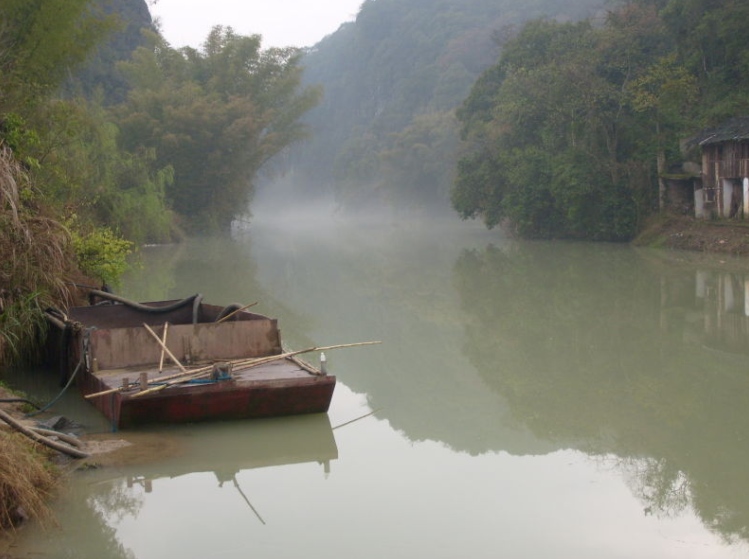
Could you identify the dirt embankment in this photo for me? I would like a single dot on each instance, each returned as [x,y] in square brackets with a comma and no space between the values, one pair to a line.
[721,237]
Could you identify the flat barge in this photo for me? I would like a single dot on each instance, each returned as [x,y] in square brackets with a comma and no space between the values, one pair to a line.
[223,365]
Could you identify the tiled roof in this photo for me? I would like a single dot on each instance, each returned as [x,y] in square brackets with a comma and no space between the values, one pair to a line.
[734,129]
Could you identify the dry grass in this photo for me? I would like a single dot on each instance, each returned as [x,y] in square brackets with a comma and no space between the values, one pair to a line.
[35,260]
[26,480]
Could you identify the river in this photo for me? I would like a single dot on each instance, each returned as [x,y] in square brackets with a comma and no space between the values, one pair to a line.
[530,399]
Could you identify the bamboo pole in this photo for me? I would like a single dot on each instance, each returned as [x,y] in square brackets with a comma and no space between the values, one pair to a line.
[228,316]
[182,379]
[163,341]
[128,385]
[243,366]
[306,366]
[238,364]
[60,447]
[163,347]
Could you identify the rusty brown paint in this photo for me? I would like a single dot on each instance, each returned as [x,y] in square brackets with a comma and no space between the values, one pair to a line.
[124,349]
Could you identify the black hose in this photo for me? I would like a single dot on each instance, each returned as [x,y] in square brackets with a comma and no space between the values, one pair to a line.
[54,400]
[196,308]
[65,341]
[228,309]
[146,308]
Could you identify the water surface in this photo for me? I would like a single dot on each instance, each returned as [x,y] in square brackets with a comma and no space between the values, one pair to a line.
[531,400]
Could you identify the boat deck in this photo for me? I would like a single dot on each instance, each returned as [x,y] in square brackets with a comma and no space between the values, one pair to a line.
[278,371]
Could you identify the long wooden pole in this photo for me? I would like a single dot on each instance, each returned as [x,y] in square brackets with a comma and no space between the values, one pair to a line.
[241,364]
[163,341]
[228,316]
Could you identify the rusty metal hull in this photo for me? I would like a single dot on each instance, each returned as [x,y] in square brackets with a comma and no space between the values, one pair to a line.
[112,346]
[224,400]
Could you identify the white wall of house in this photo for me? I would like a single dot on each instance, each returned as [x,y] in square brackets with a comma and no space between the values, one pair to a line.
[699,203]
[727,194]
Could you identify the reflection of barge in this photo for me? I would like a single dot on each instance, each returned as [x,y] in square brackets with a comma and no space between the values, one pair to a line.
[111,348]
[226,451]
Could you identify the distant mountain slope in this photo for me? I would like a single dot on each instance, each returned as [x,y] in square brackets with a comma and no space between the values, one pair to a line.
[100,71]
[385,130]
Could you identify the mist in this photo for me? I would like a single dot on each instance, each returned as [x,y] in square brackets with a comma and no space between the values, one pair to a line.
[384,143]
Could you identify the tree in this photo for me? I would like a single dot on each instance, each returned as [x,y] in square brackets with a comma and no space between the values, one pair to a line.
[575,125]
[41,41]
[215,115]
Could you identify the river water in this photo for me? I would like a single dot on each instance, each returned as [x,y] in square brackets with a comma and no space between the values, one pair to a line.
[530,399]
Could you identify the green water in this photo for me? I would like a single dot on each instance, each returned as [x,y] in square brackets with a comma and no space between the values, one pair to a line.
[531,400]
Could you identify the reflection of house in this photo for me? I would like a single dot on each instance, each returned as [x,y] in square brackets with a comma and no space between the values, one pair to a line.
[725,171]
[718,310]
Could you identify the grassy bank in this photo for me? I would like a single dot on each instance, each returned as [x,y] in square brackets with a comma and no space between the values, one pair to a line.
[36,263]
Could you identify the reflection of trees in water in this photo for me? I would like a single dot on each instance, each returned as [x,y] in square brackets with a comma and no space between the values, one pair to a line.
[658,483]
[115,501]
[90,513]
[574,337]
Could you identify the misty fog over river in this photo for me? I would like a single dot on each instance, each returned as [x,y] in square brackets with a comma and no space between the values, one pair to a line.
[530,399]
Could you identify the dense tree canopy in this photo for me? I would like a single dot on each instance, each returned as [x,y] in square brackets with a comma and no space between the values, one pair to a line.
[399,69]
[215,115]
[568,134]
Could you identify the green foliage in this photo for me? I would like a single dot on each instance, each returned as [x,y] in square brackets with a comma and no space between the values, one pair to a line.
[84,170]
[43,40]
[21,140]
[21,319]
[215,116]
[99,73]
[100,253]
[392,79]
[419,162]
[568,132]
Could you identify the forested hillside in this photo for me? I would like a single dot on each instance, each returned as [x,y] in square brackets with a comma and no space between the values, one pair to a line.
[385,130]
[568,134]
[110,138]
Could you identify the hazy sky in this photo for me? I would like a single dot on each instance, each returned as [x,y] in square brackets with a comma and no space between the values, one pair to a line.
[297,23]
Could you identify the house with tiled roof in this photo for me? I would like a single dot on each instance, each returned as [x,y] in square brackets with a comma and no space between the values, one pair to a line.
[724,188]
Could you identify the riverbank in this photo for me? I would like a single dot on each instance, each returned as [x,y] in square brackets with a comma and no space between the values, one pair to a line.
[685,233]
[27,473]
[31,473]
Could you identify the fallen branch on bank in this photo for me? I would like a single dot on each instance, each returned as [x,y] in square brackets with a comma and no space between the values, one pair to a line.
[30,433]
